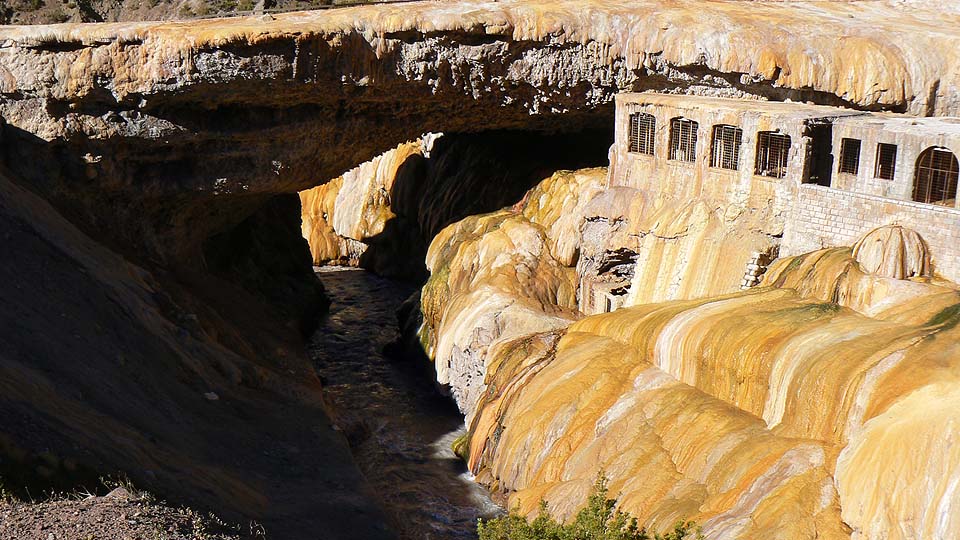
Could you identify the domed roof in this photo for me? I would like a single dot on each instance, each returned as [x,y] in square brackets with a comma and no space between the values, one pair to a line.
[893,251]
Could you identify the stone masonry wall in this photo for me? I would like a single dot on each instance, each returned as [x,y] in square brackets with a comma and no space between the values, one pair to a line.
[824,217]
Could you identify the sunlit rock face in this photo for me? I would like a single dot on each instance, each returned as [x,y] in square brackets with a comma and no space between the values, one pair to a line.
[559,410]
[383,214]
[497,276]
[674,249]
[898,478]
[815,405]
[492,277]
[339,216]
[732,410]
[893,252]
[163,121]
[318,209]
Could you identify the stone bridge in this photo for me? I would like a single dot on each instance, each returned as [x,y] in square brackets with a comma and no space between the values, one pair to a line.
[163,134]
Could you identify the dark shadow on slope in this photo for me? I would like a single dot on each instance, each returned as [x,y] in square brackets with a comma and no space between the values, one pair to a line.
[266,253]
[190,385]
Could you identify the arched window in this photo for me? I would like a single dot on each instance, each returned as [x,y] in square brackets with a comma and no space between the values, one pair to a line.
[642,130]
[935,177]
[683,139]
[773,152]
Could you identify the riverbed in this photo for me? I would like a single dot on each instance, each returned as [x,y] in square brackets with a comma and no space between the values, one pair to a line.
[399,426]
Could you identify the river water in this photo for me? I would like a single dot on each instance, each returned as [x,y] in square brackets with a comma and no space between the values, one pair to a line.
[399,427]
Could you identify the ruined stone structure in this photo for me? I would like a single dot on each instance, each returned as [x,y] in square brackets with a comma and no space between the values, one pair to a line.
[887,169]
[819,176]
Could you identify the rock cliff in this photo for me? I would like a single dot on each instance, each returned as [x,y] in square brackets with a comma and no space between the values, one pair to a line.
[383,214]
[194,389]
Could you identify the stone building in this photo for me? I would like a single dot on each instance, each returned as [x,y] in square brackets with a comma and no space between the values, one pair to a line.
[889,170]
[824,176]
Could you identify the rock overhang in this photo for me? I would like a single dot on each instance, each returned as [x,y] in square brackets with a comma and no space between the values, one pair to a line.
[228,110]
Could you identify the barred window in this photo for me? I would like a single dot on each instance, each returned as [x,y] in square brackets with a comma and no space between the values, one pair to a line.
[935,178]
[850,156]
[886,161]
[725,150]
[773,150]
[683,139]
[642,130]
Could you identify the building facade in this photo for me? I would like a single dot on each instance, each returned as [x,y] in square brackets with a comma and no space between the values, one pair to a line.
[828,175]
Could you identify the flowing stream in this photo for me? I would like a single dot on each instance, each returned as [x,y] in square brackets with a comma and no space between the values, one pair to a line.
[399,427]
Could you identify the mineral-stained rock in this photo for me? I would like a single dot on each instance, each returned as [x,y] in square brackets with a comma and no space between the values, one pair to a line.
[674,249]
[492,277]
[318,208]
[549,424]
[364,199]
[893,251]
[557,204]
[385,212]
[805,379]
[167,140]
[731,410]
[162,121]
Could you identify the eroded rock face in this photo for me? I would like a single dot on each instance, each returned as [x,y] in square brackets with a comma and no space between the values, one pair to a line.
[639,246]
[317,211]
[162,121]
[823,379]
[164,140]
[195,390]
[793,407]
[492,278]
[383,214]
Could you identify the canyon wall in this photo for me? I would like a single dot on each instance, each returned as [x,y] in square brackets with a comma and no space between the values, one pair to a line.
[194,390]
[282,103]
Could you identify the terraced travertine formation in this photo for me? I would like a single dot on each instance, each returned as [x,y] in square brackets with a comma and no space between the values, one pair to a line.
[817,405]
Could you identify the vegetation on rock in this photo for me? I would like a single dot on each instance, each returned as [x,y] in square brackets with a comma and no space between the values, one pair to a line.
[598,520]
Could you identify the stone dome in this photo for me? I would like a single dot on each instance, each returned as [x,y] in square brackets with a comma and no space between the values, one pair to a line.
[893,251]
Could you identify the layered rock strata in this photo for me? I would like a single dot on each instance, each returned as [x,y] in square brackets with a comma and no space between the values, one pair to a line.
[127,110]
[777,411]
[383,214]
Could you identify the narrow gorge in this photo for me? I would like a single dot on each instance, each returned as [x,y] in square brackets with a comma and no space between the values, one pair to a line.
[708,249]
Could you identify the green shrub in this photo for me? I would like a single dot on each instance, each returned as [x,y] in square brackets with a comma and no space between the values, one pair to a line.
[599,520]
